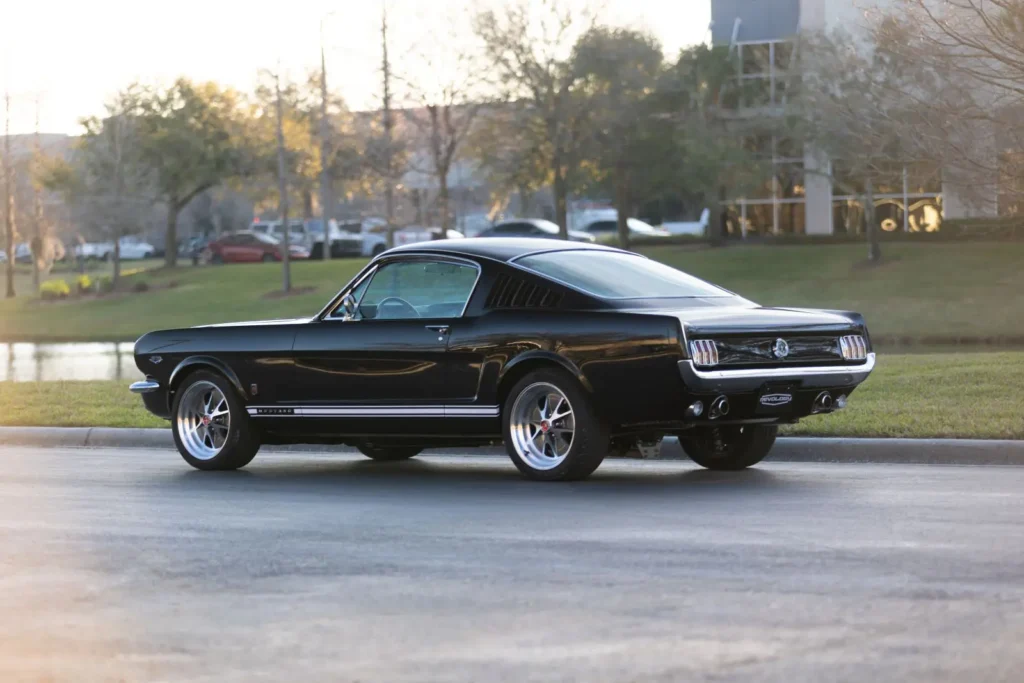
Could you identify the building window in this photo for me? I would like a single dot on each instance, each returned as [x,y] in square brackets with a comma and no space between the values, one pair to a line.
[763,70]
[907,198]
[776,204]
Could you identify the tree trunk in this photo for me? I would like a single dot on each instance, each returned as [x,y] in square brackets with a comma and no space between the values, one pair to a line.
[117,259]
[171,239]
[870,227]
[443,202]
[720,230]
[622,205]
[282,190]
[561,208]
[524,201]
[325,183]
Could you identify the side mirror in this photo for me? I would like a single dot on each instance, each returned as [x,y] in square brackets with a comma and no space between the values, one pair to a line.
[348,306]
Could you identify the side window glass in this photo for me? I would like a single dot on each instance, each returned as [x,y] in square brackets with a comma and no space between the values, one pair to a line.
[417,289]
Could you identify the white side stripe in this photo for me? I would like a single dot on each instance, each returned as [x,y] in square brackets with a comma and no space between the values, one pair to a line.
[373,411]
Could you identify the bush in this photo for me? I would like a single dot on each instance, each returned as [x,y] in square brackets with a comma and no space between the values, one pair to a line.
[51,290]
[140,287]
[83,284]
[104,284]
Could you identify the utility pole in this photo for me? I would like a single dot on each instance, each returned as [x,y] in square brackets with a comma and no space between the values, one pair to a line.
[282,186]
[325,190]
[9,196]
[389,187]
[38,246]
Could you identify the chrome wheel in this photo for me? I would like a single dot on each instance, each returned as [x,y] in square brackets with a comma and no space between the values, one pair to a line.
[204,420]
[542,426]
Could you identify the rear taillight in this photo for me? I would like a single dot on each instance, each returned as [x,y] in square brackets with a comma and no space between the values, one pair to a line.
[853,347]
[704,352]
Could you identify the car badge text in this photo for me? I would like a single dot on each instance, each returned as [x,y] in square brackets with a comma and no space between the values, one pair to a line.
[156,360]
[776,399]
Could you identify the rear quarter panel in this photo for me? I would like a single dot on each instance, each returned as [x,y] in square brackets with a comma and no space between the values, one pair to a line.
[627,361]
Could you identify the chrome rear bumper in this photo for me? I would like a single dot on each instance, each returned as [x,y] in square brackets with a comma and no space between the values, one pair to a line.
[144,387]
[723,381]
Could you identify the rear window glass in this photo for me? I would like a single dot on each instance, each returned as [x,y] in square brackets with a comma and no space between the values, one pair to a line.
[614,275]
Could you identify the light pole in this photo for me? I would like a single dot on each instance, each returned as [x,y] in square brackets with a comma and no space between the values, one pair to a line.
[324,145]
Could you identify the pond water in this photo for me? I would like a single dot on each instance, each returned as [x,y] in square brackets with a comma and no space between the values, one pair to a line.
[80,361]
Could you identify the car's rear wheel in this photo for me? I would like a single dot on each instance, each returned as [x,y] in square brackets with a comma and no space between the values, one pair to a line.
[551,430]
[210,425]
[388,453]
[729,448]
[268,258]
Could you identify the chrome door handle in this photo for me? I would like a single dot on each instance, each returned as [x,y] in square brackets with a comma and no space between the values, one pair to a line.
[441,330]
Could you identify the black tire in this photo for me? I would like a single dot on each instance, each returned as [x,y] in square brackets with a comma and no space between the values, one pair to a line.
[389,453]
[268,258]
[729,448]
[216,259]
[242,441]
[590,440]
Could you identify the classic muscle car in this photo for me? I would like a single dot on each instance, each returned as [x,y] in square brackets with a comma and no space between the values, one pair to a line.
[566,352]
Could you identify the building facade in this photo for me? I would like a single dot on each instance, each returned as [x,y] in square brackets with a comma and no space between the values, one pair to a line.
[806,193]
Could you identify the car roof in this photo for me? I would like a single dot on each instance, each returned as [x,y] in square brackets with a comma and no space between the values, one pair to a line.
[497,248]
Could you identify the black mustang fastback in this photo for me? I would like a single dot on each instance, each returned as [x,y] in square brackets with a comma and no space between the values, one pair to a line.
[566,352]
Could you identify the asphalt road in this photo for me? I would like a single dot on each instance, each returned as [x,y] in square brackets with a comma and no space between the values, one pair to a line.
[126,565]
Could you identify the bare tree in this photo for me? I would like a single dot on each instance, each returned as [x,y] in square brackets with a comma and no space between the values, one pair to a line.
[857,111]
[444,102]
[325,136]
[975,50]
[389,124]
[528,49]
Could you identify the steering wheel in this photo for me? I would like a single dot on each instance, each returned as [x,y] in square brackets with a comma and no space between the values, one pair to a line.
[396,300]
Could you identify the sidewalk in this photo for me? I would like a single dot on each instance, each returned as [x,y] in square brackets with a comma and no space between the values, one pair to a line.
[790,449]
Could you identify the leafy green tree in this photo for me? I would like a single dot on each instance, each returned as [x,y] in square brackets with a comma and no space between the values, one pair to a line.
[618,70]
[190,137]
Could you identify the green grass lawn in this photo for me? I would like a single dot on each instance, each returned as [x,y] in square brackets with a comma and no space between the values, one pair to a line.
[977,395]
[931,292]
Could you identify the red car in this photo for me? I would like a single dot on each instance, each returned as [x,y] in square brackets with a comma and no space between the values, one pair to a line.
[249,247]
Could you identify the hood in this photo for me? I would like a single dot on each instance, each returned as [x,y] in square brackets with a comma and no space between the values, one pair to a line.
[250,323]
[740,319]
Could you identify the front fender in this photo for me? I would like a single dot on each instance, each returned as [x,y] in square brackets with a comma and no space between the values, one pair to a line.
[215,364]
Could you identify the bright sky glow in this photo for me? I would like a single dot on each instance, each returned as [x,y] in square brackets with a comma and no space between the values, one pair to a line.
[73,55]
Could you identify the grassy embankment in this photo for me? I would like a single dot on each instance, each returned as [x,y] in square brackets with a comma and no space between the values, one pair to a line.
[936,292]
[977,395]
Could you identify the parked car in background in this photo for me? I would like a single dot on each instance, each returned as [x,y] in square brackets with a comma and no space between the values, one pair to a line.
[3,257]
[133,248]
[696,228]
[343,242]
[192,247]
[371,236]
[532,227]
[299,232]
[23,253]
[605,223]
[250,247]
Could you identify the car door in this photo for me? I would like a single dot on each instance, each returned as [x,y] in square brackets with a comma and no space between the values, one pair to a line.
[390,360]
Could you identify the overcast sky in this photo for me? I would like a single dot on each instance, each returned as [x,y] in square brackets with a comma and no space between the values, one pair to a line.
[73,54]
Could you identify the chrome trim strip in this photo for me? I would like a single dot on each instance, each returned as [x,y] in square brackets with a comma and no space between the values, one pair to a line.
[144,387]
[373,411]
[769,373]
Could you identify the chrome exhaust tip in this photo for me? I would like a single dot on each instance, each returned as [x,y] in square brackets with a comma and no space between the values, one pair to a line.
[822,403]
[719,408]
[695,410]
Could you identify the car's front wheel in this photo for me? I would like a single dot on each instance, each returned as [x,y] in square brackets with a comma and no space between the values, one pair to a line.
[210,424]
[551,430]
[729,448]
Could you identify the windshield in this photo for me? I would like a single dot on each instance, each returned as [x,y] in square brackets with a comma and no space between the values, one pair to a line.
[617,275]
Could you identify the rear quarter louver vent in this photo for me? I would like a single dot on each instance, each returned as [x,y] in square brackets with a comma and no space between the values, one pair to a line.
[516,292]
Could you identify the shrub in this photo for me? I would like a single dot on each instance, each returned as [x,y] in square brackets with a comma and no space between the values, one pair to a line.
[140,287]
[51,290]
[83,284]
[104,284]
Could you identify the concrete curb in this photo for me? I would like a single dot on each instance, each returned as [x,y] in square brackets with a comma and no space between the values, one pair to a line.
[789,449]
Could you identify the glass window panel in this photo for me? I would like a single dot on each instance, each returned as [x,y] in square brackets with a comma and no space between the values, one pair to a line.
[757,91]
[792,218]
[418,289]
[790,177]
[756,59]
[783,55]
